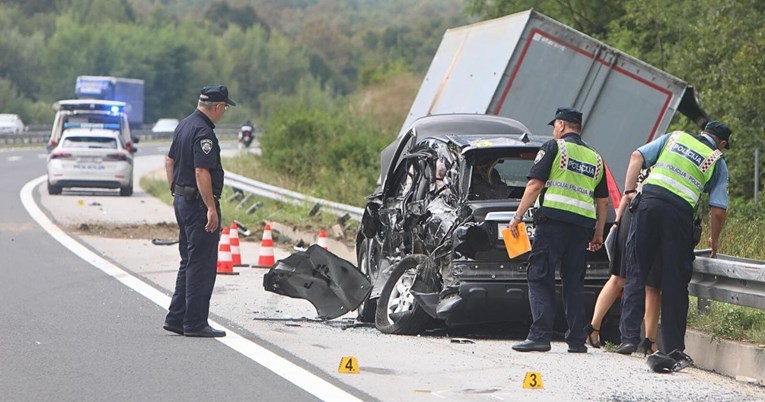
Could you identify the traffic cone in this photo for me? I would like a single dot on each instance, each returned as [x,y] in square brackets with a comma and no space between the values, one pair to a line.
[323,239]
[266,258]
[225,266]
[236,253]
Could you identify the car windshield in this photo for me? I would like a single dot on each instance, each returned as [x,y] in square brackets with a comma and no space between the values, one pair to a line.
[90,142]
[8,118]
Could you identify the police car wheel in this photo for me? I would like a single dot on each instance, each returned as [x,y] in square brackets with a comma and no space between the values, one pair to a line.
[54,190]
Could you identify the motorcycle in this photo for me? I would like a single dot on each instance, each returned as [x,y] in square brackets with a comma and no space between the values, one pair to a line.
[246,135]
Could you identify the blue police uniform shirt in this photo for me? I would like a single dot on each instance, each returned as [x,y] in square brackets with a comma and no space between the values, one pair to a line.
[195,145]
[541,171]
[717,186]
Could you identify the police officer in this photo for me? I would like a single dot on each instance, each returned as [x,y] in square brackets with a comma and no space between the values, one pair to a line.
[568,178]
[195,175]
[684,166]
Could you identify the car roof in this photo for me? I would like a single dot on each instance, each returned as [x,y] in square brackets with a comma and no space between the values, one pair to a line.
[468,131]
[442,125]
[88,105]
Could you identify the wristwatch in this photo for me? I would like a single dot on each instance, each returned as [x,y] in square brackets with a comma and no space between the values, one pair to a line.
[627,192]
[518,217]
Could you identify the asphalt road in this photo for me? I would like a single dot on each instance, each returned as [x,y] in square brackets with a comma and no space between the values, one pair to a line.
[71,332]
[90,328]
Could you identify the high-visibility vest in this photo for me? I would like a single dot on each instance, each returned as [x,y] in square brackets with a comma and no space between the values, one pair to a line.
[575,173]
[684,167]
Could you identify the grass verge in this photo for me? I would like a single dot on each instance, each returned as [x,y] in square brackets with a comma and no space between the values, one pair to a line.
[727,321]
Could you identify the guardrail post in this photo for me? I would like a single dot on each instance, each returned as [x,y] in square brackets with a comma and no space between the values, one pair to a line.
[704,306]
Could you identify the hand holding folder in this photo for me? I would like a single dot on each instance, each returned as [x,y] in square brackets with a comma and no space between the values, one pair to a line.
[516,245]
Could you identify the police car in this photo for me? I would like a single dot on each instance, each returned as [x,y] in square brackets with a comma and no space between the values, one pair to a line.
[91,155]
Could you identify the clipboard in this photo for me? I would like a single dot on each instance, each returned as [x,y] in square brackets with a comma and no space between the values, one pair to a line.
[516,246]
[610,242]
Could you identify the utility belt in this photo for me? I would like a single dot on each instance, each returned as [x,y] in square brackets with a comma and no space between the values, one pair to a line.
[189,193]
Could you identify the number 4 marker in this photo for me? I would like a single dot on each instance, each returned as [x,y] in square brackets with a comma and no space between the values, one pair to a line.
[348,365]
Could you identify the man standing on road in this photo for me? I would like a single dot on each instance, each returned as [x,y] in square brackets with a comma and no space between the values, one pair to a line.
[568,178]
[195,175]
[684,166]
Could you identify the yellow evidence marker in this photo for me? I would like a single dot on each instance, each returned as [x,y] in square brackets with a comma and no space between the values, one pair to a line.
[348,365]
[533,380]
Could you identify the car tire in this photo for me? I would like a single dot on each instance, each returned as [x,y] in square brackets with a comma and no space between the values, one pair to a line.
[397,311]
[127,190]
[367,308]
[54,190]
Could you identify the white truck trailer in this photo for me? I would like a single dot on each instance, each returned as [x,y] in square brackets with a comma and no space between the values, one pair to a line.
[525,65]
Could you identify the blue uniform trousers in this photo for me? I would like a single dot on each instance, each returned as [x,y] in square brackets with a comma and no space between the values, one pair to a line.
[194,284]
[558,244]
[661,236]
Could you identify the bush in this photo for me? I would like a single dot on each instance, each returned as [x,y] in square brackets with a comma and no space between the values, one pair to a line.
[335,154]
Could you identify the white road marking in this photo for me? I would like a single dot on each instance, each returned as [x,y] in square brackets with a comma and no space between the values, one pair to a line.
[277,364]
[14,158]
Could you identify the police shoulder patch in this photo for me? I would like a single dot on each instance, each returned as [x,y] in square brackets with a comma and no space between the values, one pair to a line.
[540,155]
[207,145]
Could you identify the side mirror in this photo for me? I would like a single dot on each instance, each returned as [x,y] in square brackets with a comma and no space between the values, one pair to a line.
[135,139]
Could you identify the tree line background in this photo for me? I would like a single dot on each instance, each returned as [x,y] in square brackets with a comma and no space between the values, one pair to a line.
[340,75]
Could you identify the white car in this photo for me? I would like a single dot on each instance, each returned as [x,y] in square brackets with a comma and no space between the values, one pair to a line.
[164,126]
[11,124]
[89,155]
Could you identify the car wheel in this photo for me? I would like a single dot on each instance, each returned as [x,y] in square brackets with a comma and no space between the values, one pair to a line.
[54,190]
[397,311]
[367,309]
[127,190]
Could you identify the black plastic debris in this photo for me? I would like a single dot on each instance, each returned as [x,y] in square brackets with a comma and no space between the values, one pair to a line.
[333,285]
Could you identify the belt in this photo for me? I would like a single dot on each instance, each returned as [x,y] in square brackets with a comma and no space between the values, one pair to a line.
[189,193]
[186,192]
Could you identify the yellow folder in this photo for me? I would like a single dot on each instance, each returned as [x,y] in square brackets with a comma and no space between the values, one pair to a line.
[516,245]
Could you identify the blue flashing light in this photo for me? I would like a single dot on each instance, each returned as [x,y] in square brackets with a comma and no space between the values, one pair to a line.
[108,126]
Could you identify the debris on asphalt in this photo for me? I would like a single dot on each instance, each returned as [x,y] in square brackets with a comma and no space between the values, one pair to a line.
[163,242]
[461,340]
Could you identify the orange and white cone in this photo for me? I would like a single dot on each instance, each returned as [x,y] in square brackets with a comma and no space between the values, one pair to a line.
[323,239]
[266,258]
[225,266]
[236,253]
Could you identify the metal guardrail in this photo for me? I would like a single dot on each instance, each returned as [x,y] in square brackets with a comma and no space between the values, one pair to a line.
[241,183]
[729,279]
[41,135]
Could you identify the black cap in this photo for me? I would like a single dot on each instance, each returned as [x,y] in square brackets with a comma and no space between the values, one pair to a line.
[216,93]
[719,130]
[567,114]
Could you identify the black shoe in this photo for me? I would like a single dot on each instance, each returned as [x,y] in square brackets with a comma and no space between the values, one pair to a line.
[592,341]
[206,332]
[646,346]
[532,346]
[660,363]
[626,348]
[577,349]
[173,329]
[681,360]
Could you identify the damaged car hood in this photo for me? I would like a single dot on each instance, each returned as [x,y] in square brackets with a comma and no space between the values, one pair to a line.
[333,285]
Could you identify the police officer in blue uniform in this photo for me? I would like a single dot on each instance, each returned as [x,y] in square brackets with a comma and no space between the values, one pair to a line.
[684,166]
[195,175]
[568,176]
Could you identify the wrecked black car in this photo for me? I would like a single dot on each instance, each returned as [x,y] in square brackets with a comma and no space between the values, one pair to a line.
[430,245]
[430,239]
